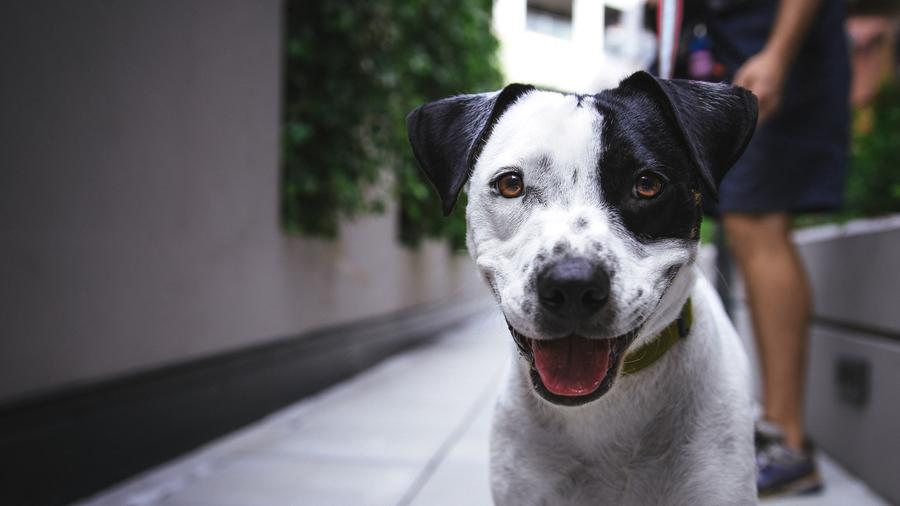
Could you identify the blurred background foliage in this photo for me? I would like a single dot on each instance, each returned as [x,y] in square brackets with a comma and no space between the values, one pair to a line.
[873,182]
[353,70]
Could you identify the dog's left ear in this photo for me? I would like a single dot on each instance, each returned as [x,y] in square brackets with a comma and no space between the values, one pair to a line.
[716,121]
[447,136]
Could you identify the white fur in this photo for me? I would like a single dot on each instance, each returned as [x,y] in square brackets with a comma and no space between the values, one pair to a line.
[504,238]
[676,433]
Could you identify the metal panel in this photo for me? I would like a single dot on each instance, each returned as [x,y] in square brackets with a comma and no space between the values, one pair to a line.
[855,274]
[863,437]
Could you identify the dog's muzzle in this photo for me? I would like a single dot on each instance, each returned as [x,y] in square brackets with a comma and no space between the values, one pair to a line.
[573,370]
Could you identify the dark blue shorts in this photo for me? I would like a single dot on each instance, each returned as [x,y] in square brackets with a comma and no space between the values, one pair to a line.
[797,159]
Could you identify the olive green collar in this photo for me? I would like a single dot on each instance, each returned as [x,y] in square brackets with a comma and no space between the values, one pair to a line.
[644,356]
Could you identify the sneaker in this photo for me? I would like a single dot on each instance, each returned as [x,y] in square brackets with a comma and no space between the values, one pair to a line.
[781,471]
[766,433]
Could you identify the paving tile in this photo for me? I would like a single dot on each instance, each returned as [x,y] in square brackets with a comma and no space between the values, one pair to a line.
[266,481]
[460,481]
[463,475]
[402,443]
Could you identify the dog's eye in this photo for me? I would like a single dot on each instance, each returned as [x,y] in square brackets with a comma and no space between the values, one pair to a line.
[648,185]
[510,185]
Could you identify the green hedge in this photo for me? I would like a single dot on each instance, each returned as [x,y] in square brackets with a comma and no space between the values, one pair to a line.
[873,184]
[353,70]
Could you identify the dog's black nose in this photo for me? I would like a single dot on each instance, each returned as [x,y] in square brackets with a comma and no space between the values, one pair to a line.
[573,288]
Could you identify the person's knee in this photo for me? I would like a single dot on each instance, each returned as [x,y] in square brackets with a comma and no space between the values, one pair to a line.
[749,235]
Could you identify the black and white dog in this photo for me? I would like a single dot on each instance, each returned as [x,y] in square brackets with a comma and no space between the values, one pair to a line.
[630,386]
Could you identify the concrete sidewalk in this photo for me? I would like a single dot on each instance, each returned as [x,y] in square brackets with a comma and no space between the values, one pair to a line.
[411,431]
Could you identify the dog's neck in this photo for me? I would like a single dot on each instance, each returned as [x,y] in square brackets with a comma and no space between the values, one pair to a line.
[643,357]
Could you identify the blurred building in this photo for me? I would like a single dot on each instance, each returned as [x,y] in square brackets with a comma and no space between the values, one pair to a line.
[573,45]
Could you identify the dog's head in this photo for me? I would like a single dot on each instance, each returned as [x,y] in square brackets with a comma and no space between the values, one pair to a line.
[583,209]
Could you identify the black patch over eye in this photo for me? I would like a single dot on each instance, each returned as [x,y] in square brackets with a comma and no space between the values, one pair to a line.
[648,185]
[510,185]
[640,143]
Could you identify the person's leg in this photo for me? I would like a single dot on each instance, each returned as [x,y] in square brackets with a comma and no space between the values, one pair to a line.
[780,305]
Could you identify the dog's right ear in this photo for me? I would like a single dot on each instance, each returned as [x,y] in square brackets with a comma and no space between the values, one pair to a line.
[447,136]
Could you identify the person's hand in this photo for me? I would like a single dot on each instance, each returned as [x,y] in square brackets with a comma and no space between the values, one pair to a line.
[763,74]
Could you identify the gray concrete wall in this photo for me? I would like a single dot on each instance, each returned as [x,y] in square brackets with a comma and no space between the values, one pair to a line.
[856,287]
[139,197]
[854,272]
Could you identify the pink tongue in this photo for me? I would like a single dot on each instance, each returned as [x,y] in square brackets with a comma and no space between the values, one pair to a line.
[571,366]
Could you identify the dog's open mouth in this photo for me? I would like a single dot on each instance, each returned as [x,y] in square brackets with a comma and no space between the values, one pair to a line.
[573,370]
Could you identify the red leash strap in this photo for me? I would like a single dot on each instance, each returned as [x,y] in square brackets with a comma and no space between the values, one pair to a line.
[668,28]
